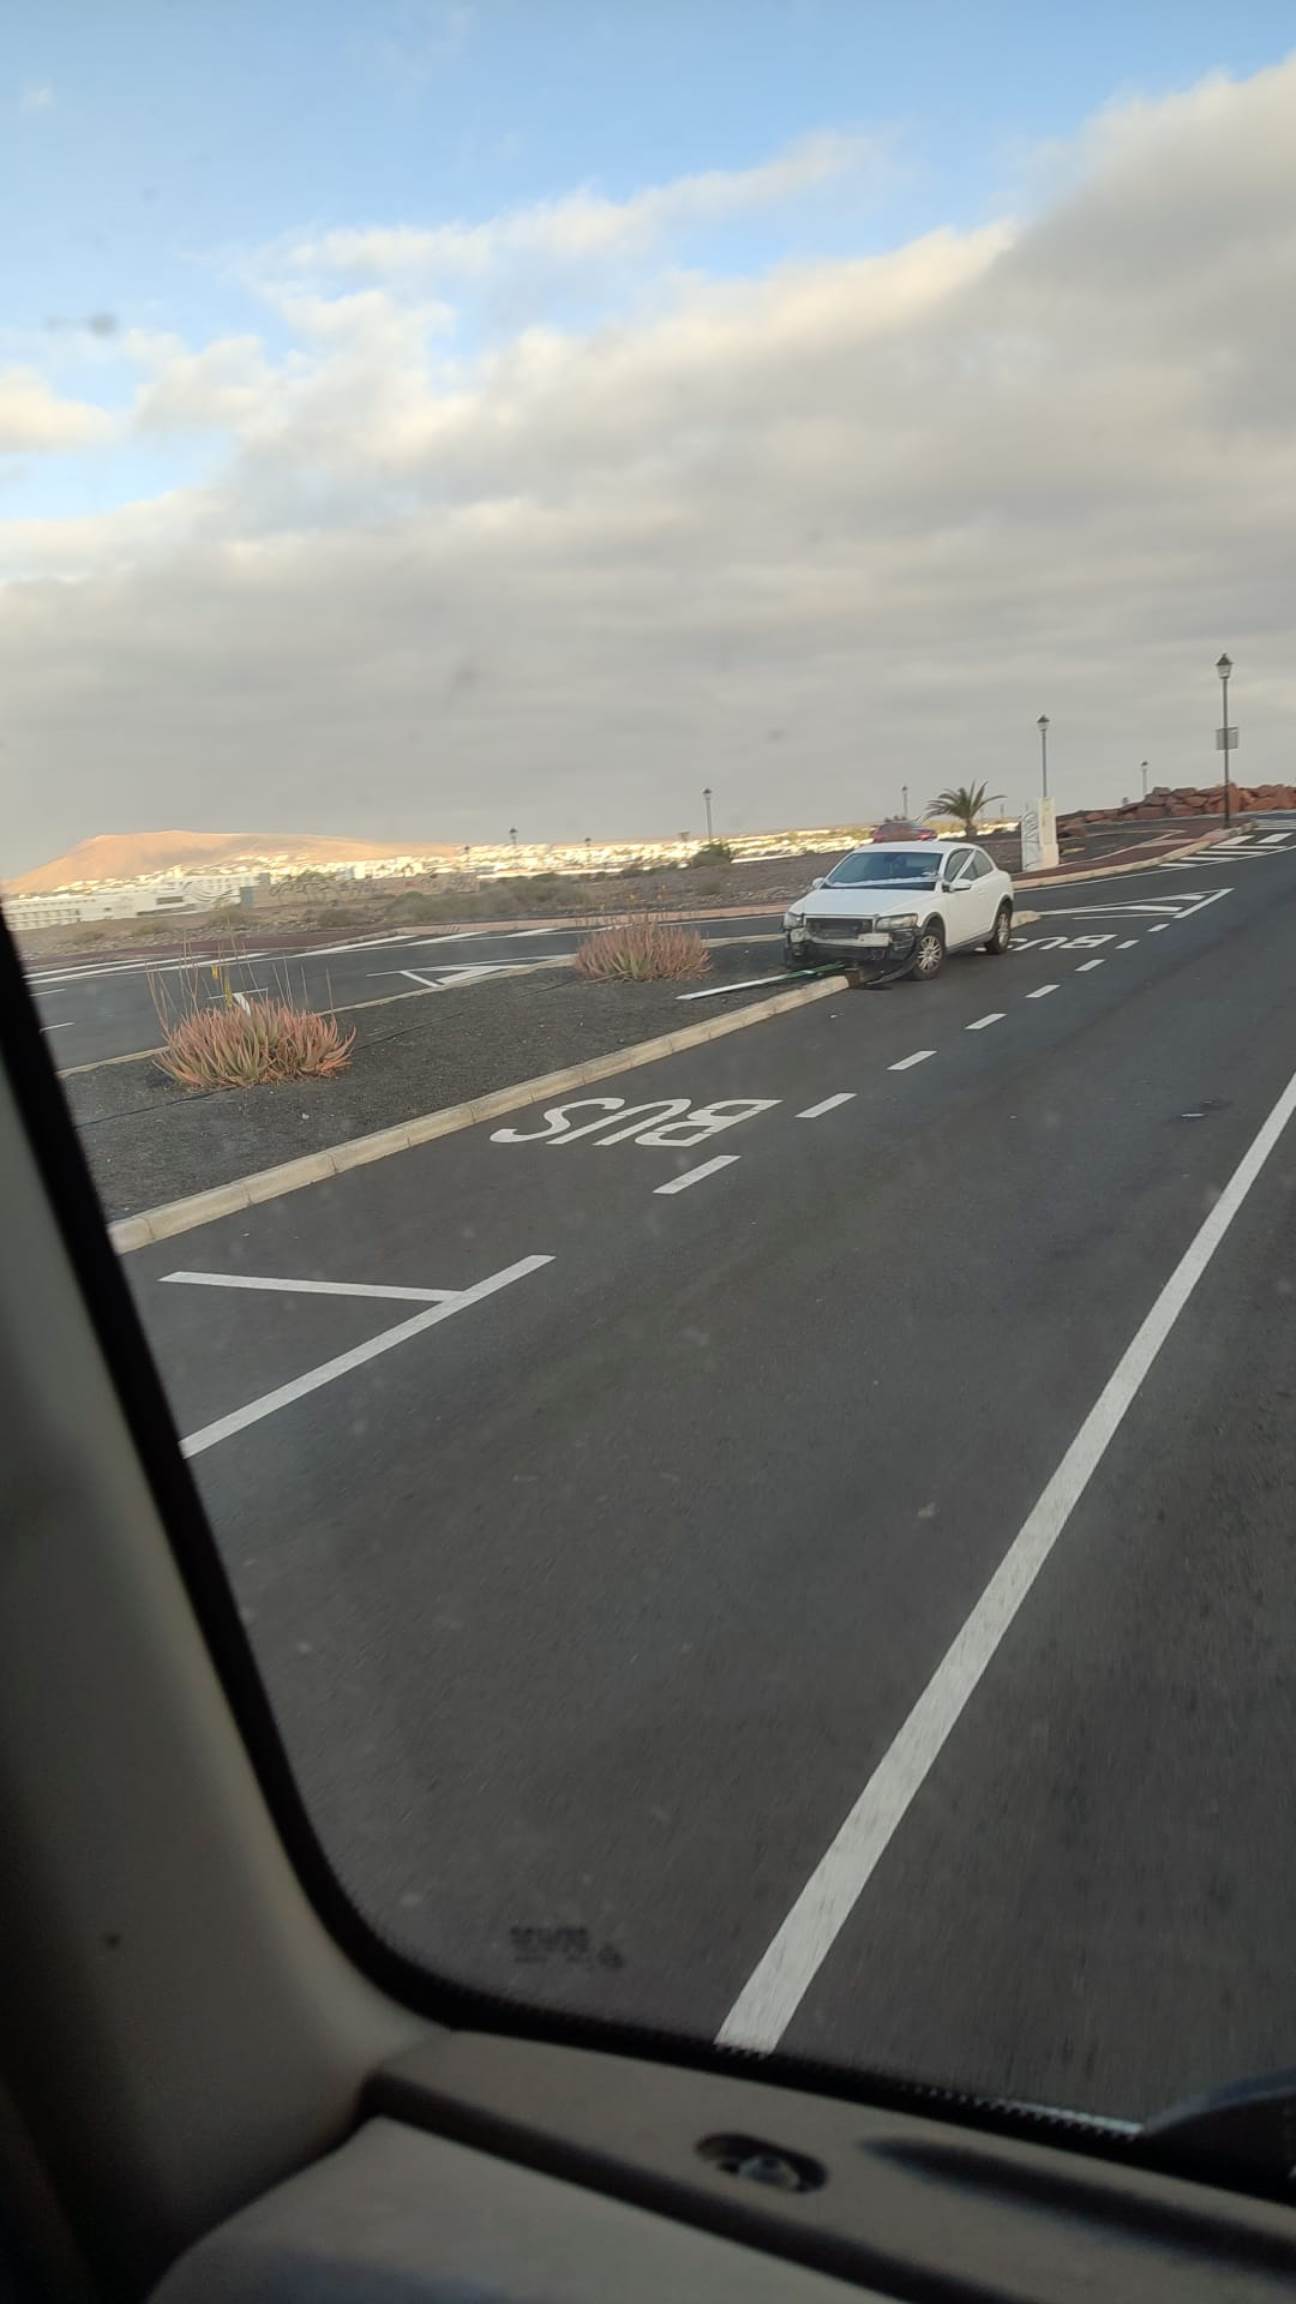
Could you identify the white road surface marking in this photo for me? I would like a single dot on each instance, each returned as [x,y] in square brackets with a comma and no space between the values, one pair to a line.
[919,1056]
[64,1027]
[1042,992]
[1171,907]
[996,1016]
[311,1287]
[1086,965]
[452,979]
[829,1104]
[1212,896]
[778,1984]
[1128,944]
[457,936]
[1159,928]
[695,1175]
[747,984]
[352,944]
[226,1426]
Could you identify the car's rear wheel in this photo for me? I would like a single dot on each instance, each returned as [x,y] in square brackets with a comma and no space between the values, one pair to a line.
[1000,936]
[929,957]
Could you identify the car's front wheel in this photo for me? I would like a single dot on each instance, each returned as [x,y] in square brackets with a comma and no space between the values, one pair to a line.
[1000,936]
[793,956]
[929,954]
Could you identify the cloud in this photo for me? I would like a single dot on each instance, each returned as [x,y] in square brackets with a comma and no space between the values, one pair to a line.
[33,418]
[225,387]
[893,505]
[583,226]
[37,96]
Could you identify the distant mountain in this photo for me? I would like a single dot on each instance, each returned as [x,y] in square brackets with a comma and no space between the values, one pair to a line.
[127,855]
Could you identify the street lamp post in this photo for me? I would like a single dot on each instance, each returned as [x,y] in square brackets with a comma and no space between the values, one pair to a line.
[1224,669]
[706,794]
[1143,769]
[904,803]
[1043,726]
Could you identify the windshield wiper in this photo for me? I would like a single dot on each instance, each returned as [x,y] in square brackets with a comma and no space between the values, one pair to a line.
[1245,2133]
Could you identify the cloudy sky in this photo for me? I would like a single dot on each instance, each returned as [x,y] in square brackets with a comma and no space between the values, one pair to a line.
[424,418]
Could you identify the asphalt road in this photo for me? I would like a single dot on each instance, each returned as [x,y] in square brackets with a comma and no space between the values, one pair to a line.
[100,1009]
[715,1569]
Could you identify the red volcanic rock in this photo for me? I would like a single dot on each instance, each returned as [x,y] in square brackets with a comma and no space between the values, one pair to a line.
[1185,800]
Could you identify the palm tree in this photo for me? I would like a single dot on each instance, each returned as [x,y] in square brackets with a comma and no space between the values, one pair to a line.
[963,802]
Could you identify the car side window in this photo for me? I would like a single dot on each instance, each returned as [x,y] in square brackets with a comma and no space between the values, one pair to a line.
[980,865]
[955,863]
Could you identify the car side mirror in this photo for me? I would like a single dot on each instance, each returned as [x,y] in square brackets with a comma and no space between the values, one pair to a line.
[819,882]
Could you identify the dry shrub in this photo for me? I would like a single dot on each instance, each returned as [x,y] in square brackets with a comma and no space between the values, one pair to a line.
[241,1046]
[643,951]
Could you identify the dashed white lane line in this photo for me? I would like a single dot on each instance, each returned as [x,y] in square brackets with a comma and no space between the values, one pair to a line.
[1128,944]
[1086,965]
[1159,929]
[829,1104]
[65,1027]
[695,1175]
[782,1977]
[996,1016]
[284,1394]
[919,1056]
[1041,992]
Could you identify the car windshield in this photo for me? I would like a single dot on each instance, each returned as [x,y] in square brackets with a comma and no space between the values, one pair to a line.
[887,868]
[498,499]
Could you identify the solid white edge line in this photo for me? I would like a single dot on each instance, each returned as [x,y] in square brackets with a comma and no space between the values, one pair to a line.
[226,1426]
[774,1991]
[310,1287]
[919,1056]
[829,1104]
[996,1016]
[695,1175]
[1041,992]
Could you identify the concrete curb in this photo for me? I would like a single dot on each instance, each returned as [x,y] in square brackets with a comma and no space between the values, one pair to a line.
[1112,871]
[130,1232]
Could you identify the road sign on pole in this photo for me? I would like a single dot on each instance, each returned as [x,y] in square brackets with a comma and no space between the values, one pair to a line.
[1038,836]
[1226,739]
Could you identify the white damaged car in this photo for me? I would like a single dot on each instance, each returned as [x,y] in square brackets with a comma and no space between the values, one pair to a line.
[900,908]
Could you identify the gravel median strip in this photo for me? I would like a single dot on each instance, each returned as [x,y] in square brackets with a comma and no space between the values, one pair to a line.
[184,1215]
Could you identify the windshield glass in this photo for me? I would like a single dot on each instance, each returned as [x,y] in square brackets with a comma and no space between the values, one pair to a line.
[496,500]
[886,868]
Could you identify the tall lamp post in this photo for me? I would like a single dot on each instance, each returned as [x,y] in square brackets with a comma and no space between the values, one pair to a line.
[706,794]
[1043,726]
[1225,737]
[1143,769]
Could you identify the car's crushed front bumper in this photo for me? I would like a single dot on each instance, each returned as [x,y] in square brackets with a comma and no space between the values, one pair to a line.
[870,943]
